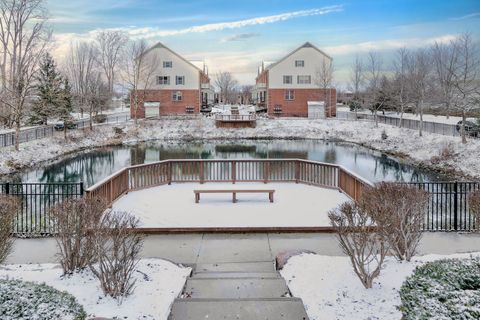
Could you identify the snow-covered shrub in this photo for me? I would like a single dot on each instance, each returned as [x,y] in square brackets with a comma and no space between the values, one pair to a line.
[474,203]
[21,300]
[8,210]
[398,210]
[443,289]
[446,152]
[117,249]
[73,219]
[384,135]
[356,233]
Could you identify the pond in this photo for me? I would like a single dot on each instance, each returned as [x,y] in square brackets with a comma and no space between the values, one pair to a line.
[95,165]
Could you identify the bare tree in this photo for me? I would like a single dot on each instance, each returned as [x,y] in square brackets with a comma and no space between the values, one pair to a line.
[373,77]
[357,79]
[324,79]
[96,95]
[110,44]
[444,61]
[401,81]
[246,92]
[140,67]
[399,218]
[8,211]
[24,38]
[474,204]
[365,248]
[227,86]
[419,72]
[74,220]
[117,248]
[466,78]
[81,64]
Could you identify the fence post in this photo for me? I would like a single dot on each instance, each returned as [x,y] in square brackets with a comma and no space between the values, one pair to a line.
[234,171]
[82,190]
[455,205]
[7,188]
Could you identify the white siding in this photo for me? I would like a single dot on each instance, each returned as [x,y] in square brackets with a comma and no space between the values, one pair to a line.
[179,68]
[313,62]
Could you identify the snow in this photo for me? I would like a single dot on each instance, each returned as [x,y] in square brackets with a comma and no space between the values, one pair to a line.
[174,206]
[426,117]
[158,283]
[401,142]
[330,289]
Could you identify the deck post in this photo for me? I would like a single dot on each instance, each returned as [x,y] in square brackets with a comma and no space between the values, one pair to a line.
[169,179]
[234,171]
[297,171]
[202,175]
[266,171]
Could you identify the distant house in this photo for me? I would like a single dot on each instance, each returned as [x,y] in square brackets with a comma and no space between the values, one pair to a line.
[290,87]
[177,86]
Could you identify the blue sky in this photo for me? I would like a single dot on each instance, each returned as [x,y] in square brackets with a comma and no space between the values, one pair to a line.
[237,35]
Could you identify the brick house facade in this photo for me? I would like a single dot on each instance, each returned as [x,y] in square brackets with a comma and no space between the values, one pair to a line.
[177,86]
[287,86]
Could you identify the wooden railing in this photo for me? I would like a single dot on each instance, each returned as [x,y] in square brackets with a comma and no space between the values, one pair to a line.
[235,117]
[201,171]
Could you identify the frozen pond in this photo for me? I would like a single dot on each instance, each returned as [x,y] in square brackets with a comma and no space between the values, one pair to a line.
[93,166]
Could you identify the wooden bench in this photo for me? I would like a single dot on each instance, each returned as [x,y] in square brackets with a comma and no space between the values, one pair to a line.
[233,192]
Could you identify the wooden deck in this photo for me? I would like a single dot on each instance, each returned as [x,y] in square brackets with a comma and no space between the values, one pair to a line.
[235,120]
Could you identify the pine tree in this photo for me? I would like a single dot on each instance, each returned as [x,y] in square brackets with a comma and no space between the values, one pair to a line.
[49,91]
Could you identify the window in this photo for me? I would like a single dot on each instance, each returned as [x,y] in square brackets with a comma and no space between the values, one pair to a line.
[287,79]
[163,80]
[167,64]
[180,80]
[304,79]
[289,94]
[299,63]
[176,96]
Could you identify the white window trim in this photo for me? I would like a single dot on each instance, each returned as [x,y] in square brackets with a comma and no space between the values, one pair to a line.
[180,77]
[299,63]
[307,81]
[163,78]
[290,96]
[166,62]
[176,95]
[288,77]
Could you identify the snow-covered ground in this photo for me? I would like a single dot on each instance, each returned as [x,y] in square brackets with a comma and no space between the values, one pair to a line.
[174,206]
[330,289]
[426,117]
[421,150]
[158,283]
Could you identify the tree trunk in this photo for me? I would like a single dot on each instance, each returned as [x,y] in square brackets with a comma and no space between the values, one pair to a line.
[464,118]
[17,136]
[91,120]
[421,119]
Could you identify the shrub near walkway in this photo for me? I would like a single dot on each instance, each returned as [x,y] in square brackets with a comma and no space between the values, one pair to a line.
[28,300]
[443,289]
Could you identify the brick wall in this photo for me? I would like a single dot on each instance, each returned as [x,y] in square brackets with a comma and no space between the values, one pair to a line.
[298,107]
[167,106]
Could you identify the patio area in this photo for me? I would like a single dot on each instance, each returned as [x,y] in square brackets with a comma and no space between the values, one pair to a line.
[173,206]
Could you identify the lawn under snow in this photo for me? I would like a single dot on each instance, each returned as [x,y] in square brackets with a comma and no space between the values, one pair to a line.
[158,283]
[295,205]
[330,289]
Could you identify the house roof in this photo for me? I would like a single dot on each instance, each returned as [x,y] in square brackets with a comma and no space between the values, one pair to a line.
[305,45]
[160,45]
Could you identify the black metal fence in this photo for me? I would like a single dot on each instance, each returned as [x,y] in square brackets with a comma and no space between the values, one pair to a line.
[448,208]
[445,129]
[36,200]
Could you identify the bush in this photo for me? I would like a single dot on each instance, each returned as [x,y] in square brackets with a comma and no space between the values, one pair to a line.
[365,247]
[474,203]
[8,210]
[21,300]
[384,135]
[444,289]
[398,211]
[73,219]
[117,250]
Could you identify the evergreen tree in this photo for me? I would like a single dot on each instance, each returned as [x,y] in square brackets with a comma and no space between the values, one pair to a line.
[49,91]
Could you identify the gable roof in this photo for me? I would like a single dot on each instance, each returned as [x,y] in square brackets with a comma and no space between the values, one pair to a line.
[160,45]
[305,45]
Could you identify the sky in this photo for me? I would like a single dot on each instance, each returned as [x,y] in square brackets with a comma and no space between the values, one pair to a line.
[236,36]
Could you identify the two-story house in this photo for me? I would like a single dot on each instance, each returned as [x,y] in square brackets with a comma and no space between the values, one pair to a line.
[294,86]
[175,85]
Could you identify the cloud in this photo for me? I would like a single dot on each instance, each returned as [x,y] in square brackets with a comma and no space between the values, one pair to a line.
[240,37]
[153,32]
[390,44]
[467,16]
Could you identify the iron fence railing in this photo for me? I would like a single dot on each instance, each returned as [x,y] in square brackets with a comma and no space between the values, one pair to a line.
[445,129]
[9,138]
[36,201]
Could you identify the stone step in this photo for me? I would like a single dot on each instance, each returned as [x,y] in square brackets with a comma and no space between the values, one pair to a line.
[260,266]
[233,274]
[238,309]
[235,288]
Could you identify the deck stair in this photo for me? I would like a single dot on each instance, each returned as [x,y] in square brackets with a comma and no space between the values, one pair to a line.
[244,290]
